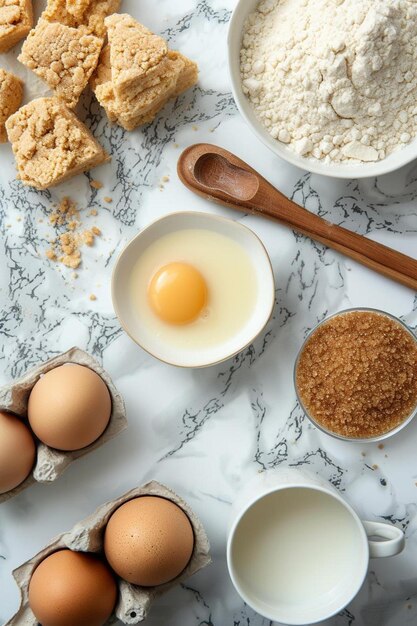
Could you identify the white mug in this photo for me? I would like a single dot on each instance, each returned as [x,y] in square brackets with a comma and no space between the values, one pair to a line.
[297,553]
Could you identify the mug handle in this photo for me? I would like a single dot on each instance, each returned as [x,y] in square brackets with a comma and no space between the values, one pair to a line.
[393,539]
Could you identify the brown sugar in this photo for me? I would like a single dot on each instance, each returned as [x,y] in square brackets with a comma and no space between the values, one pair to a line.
[357,374]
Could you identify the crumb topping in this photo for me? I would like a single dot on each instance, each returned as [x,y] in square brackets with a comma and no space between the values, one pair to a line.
[16,18]
[63,57]
[88,14]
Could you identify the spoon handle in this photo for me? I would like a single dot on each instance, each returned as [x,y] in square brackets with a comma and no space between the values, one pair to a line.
[220,176]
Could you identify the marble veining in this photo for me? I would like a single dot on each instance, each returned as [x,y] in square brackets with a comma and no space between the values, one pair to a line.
[205,433]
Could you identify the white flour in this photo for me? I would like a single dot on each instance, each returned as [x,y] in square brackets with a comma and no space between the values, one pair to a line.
[334,79]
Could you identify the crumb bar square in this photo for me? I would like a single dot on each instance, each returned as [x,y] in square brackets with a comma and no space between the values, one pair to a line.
[16,20]
[180,74]
[62,56]
[50,143]
[138,58]
[188,76]
[11,94]
[122,110]
[89,14]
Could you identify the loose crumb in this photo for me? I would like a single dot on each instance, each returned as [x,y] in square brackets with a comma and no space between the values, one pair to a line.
[65,211]
[93,297]
[72,260]
[165,179]
[381,446]
[357,374]
[93,212]
[66,248]
[108,199]
[96,184]
[88,237]
[194,127]
[375,466]
[51,254]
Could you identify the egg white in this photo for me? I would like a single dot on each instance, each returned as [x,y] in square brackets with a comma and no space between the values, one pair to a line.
[231,281]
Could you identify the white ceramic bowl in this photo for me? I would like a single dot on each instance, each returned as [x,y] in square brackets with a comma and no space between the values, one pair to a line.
[364,170]
[144,337]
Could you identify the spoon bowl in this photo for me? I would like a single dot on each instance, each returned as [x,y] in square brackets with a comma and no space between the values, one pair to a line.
[216,172]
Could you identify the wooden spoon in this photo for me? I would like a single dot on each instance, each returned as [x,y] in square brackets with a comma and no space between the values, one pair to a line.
[219,175]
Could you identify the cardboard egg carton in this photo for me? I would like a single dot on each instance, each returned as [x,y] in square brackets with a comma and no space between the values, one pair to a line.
[133,602]
[50,463]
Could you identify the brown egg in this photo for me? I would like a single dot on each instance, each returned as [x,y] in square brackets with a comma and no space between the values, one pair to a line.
[17,452]
[69,408]
[148,541]
[72,589]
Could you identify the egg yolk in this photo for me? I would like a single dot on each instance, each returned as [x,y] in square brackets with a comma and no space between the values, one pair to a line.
[177,293]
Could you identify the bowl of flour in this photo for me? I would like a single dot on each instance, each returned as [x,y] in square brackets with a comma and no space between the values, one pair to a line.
[329,85]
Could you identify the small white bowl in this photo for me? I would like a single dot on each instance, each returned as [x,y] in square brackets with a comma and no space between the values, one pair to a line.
[364,170]
[144,337]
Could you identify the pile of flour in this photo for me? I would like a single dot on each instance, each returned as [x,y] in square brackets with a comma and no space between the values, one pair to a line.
[334,79]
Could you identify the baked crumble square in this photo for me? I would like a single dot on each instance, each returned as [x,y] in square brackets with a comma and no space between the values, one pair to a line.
[11,94]
[187,77]
[50,143]
[145,107]
[138,58]
[16,20]
[63,57]
[180,73]
[123,110]
[89,14]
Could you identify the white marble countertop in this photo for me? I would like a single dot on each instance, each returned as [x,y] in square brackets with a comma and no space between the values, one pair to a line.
[206,432]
